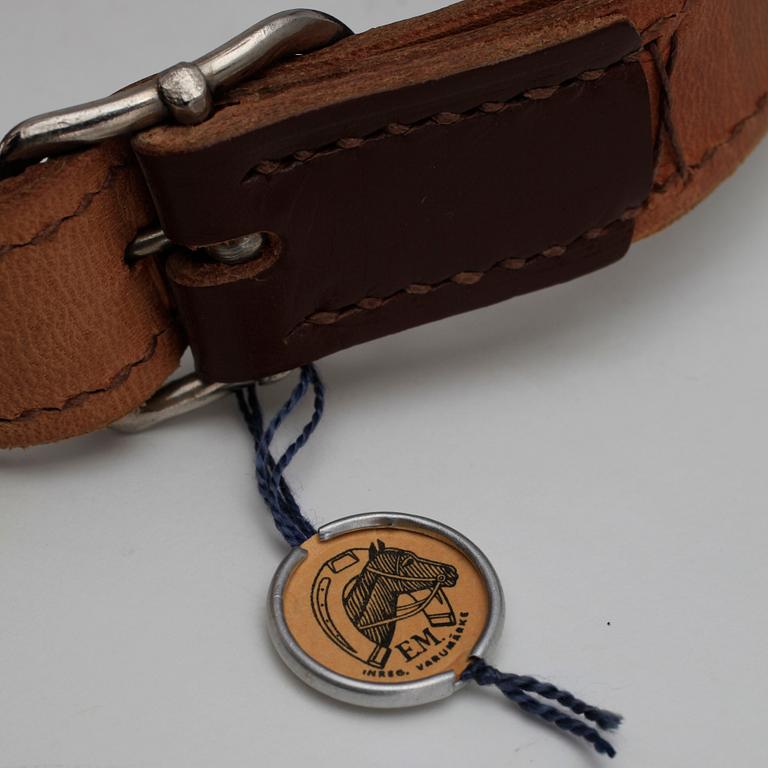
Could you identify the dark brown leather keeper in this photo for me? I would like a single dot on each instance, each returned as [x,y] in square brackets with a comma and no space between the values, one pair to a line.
[503,184]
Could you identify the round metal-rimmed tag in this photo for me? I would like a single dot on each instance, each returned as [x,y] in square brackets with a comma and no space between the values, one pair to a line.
[384,609]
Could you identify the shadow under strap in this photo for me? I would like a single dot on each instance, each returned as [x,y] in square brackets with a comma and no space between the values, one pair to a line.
[291,523]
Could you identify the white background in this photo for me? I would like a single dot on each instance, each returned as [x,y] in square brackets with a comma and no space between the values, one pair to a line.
[603,442]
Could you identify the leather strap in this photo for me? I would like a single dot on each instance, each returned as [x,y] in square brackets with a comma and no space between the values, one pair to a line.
[473,192]
[85,338]
[706,63]
[389,192]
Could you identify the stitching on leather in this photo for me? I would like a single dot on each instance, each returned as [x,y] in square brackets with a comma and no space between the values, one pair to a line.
[711,153]
[77,400]
[666,118]
[372,303]
[664,71]
[266,168]
[85,203]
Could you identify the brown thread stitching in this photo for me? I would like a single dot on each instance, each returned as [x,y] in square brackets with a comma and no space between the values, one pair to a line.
[231,100]
[76,400]
[268,167]
[85,203]
[420,289]
[712,152]
[664,73]
[372,303]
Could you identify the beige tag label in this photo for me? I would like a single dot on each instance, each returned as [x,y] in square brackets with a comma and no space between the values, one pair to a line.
[386,605]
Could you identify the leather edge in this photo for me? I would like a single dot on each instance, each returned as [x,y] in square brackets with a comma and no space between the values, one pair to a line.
[97,409]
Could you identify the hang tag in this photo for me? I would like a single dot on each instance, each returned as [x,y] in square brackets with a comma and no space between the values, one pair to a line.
[384,609]
[389,610]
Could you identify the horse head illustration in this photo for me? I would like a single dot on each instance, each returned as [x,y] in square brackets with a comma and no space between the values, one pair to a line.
[371,600]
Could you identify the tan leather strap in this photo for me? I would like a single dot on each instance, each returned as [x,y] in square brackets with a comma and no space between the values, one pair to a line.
[709,78]
[86,338]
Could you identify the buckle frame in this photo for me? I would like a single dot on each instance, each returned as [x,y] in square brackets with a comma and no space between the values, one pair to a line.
[180,396]
[184,92]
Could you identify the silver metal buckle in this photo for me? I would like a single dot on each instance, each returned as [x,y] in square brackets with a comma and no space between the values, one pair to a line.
[183,93]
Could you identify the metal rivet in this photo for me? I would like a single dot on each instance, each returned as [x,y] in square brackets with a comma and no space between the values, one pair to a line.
[185,91]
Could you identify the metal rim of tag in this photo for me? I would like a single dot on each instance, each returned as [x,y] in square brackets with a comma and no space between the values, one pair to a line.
[368,694]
